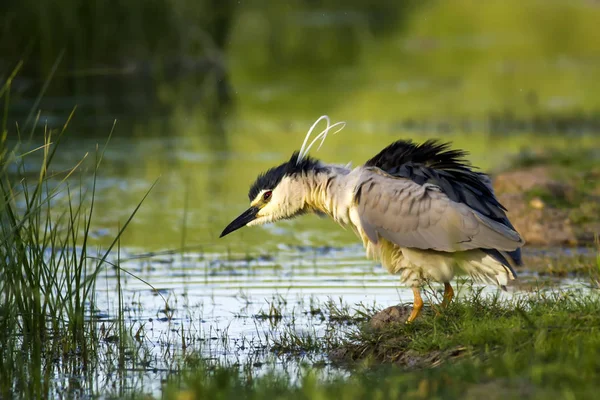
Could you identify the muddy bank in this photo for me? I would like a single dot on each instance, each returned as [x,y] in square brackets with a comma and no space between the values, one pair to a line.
[552,205]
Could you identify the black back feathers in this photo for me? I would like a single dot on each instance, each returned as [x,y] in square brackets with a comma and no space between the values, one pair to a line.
[271,178]
[433,162]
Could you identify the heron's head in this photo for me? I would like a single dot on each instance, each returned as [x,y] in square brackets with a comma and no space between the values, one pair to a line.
[277,194]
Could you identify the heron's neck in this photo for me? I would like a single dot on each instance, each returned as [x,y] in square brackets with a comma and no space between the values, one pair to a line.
[330,191]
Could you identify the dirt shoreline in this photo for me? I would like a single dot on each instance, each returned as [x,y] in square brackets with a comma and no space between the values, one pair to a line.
[550,206]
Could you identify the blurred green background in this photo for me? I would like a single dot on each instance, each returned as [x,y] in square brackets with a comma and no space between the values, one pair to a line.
[407,62]
[208,93]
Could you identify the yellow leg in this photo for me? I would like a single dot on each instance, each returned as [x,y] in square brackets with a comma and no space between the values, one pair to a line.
[448,294]
[417,305]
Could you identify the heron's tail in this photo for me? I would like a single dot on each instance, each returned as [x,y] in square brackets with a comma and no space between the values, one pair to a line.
[485,268]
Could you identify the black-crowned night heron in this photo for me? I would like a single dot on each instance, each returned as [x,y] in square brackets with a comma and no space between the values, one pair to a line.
[418,208]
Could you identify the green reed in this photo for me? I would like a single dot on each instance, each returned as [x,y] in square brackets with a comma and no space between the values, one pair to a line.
[47,270]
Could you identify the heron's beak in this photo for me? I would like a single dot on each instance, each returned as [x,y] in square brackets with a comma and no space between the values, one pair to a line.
[241,221]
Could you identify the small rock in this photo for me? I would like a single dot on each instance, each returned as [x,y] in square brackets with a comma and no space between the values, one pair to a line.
[340,355]
[390,315]
[537,203]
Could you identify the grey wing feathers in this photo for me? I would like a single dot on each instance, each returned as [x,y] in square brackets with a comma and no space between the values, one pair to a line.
[422,216]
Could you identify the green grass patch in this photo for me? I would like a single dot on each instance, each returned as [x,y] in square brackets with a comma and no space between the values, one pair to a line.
[481,325]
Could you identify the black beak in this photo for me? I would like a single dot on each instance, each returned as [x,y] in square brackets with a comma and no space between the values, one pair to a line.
[241,221]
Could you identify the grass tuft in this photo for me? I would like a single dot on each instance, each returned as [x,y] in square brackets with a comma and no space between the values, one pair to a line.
[47,273]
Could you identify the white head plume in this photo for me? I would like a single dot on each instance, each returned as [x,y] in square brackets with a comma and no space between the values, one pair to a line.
[323,135]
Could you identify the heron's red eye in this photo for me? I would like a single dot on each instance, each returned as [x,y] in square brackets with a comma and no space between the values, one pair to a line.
[267,195]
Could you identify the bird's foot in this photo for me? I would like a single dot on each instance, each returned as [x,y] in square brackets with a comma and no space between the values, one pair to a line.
[417,306]
[448,295]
